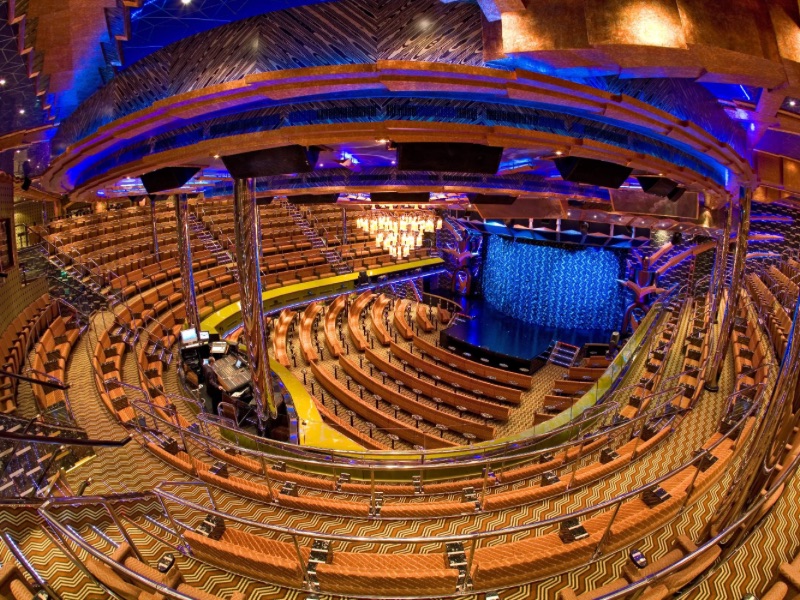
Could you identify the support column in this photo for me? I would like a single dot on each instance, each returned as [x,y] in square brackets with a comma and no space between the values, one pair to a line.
[726,327]
[247,231]
[720,264]
[185,260]
[344,225]
[155,227]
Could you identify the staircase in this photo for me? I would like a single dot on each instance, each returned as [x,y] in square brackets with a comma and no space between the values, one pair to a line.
[198,229]
[563,354]
[340,267]
[406,289]
[27,467]
[72,283]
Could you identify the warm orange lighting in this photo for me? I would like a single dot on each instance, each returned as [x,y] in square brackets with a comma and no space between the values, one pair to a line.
[651,24]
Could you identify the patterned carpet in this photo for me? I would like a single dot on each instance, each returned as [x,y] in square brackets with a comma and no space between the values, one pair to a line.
[132,468]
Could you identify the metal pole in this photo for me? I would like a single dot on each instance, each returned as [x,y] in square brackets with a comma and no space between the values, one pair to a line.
[248,257]
[344,225]
[155,227]
[115,518]
[726,327]
[720,265]
[185,260]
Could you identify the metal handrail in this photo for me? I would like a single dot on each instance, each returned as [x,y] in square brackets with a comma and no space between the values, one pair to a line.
[357,456]
[433,465]
[26,565]
[63,441]
[67,533]
[160,490]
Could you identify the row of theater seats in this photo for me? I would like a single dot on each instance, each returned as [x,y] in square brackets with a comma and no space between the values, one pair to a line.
[100,245]
[153,272]
[14,585]
[494,566]
[747,352]
[403,322]
[98,221]
[782,285]
[578,477]
[663,588]
[351,583]
[778,321]
[52,354]
[130,588]
[17,340]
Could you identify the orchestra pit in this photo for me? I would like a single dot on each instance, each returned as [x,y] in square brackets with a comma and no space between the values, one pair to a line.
[393,299]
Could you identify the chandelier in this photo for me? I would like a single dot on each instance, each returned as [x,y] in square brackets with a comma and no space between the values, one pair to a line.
[399,233]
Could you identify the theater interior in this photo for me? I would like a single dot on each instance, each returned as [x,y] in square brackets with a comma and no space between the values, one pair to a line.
[399,299]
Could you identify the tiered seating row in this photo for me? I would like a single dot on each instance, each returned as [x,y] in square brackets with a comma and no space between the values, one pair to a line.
[52,354]
[16,342]
[778,321]
[471,367]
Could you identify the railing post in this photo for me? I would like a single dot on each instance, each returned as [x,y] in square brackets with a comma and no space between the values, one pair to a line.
[115,518]
[175,525]
[300,560]
[726,327]
[599,549]
[155,227]
[470,558]
[486,468]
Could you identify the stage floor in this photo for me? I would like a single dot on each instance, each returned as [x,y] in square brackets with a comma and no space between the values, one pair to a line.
[500,333]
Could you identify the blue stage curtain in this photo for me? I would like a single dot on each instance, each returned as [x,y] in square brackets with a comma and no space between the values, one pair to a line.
[574,288]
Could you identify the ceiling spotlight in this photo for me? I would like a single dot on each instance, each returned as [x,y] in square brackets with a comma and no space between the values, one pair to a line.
[382,141]
[791,102]
[559,153]
[22,111]
[216,156]
[186,2]
[2,81]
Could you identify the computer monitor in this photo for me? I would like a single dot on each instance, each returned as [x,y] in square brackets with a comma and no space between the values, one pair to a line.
[238,364]
[188,337]
[203,337]
[219,348]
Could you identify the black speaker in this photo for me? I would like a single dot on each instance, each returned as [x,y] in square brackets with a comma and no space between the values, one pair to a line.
[331,198]
[660,186]
[591,171]
[445,156]
[26,183]
[168,178]
[400,197]
[677,238]
[481,199]
[676,194]
[272,161]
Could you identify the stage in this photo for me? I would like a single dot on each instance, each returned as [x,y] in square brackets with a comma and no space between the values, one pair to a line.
[490,330]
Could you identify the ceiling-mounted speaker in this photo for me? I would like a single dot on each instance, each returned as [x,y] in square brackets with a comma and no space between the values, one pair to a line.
[331,198]
[592,172]
[677,238]
[168,178]
[26,184]
[400,197]
[659,186]
[481,199]
[676,194]
[272,161]
[448,156]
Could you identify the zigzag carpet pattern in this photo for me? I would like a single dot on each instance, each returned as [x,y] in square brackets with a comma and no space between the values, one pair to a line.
[134,469]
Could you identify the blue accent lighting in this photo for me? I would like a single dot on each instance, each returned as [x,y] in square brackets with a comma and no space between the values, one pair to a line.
[554,286]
